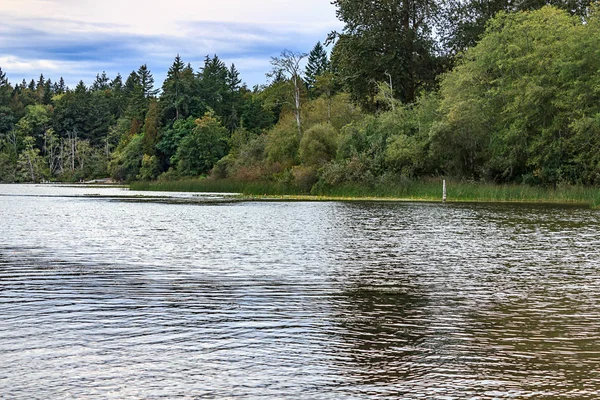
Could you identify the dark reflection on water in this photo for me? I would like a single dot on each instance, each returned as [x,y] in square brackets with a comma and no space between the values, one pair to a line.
[112,299]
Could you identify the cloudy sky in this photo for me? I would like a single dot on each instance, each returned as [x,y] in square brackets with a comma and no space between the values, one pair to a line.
[78,39]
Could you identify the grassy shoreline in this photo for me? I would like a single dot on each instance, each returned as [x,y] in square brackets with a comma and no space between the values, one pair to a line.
[426,190]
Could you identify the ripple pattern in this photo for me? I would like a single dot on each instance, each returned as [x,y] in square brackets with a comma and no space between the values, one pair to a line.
[109,299]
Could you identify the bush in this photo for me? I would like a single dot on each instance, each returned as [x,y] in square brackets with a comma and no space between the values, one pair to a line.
[318,145]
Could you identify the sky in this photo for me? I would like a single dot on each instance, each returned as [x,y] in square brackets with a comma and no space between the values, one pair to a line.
[77,39]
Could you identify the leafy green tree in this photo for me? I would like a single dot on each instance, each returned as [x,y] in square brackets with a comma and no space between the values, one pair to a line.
[171,137]
[151,128]
[516,105]
[150,168]
[127,159]
[318,145]
[386,37]
[465,22]
[31,165]
[199,152]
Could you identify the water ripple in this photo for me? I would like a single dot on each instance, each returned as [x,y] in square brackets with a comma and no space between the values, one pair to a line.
[125,300]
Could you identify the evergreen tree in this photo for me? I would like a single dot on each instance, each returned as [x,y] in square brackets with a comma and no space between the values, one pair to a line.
[134,100]
[146,81]
[60,87]
[6,114]
[178,91]
[48,92]
[40,83]
[233,99]
[317,64]
[214,85]
[101,82]
[118,96]
[3,79]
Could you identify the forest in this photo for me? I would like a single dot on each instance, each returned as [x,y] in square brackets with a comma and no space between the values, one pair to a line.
[496,92]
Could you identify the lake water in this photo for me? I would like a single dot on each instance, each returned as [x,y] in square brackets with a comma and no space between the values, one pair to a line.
[108,295]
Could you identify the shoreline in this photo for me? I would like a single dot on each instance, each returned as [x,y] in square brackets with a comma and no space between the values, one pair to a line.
[429,191]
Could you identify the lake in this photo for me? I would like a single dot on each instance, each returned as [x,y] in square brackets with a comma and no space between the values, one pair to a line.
[112,294]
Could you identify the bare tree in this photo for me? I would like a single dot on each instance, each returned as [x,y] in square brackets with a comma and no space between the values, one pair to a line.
[289,65]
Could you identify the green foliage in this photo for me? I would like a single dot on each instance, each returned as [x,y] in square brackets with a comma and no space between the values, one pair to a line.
[151,128]
[127,159]
[30,165]
[318,145]
[317,64]
[199,151]
[178,98]
[386,37]
[150,168]
[282,143]
[171,138]
[518,104]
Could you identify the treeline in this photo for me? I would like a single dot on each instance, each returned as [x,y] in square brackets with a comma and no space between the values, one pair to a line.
[403,96]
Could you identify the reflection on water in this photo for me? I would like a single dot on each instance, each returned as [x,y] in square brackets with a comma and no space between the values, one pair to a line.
[101,298]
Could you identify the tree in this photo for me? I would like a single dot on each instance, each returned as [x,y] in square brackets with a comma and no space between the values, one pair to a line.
[318,145]
[31,164]
[318,64]
[171,137]
[7,117]
[289,64]
[518,107]
[177,99]
[100,83]
[198,152]
[386,37]
[151,129]
[146,81]
[465,22]
[213,84]
[233,99]
[60,87]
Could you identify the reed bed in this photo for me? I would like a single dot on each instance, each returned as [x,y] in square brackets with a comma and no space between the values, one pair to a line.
[423,190]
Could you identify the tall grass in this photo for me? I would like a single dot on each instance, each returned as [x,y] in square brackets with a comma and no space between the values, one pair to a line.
[426,190]
[216,186]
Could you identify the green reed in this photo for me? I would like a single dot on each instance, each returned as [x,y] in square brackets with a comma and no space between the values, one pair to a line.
[423,190]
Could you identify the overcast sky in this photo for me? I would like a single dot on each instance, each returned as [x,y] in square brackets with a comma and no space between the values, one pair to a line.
[78,39]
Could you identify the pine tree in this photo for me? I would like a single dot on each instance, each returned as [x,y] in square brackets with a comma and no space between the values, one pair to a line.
[318,63]
[59,87]
[147,82]
[178,91]
[101,82]
[3,79]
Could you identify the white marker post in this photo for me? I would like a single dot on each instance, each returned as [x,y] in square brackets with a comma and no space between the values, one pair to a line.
[444,192]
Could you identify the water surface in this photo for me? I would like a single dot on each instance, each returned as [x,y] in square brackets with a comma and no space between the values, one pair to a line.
[108,295]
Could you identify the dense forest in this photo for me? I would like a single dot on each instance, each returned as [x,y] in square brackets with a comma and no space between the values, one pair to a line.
[495,91]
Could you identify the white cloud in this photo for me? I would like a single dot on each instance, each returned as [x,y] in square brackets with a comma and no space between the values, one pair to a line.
[79,38]
[166,18]
[16,64]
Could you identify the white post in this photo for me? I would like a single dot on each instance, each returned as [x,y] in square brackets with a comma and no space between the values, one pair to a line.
[444,192]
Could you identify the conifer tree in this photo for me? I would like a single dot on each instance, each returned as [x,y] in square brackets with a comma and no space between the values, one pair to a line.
[318,63]
[146,81]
